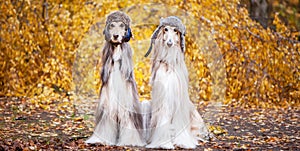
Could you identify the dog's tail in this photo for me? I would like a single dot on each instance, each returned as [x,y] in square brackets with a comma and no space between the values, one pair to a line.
[146,116]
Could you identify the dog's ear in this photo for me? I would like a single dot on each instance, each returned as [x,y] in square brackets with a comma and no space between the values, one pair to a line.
[128,35]
[106,34]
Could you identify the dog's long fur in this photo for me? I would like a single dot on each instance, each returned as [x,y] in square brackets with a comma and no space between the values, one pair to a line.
[118,118]
[175,121]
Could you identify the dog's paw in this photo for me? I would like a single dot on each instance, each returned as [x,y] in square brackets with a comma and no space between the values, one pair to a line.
[94,139]
[187,146]
[140,144]
[168,145]
[183,140]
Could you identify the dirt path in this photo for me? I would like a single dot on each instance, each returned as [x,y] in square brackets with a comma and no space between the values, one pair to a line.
[28,126]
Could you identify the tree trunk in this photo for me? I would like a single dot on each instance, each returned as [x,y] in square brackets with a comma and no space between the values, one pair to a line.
[259,11]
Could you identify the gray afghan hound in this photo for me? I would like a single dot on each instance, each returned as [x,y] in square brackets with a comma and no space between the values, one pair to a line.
[174,120]
[118,119]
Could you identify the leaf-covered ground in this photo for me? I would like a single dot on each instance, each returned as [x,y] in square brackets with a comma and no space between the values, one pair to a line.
[26,126]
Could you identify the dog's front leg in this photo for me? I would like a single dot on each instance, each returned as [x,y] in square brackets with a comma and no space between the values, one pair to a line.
[106,131]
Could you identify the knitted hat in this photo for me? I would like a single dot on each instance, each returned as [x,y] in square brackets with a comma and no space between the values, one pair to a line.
[169,21]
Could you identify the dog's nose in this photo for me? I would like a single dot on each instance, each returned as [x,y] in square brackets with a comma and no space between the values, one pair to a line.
[116,36]
[169,43]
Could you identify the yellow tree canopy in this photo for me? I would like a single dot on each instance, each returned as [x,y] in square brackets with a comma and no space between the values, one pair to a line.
[50,49]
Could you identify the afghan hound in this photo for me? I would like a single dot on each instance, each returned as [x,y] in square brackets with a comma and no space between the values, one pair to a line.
[175,122]
[118,118]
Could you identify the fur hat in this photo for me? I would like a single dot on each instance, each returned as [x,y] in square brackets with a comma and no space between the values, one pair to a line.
[169,21]
[118,16]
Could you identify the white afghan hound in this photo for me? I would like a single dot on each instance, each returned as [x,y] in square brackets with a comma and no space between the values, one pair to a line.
[175,122]
[118,118]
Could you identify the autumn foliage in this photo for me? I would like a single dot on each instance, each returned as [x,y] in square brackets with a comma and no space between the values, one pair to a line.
[48,50]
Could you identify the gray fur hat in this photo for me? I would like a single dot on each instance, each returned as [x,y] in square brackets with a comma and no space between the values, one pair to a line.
[117,16]
[169,21]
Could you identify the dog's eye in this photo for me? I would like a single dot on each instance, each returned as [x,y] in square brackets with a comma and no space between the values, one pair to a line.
[166,29]
[175,30]
[122,25]
[111,25]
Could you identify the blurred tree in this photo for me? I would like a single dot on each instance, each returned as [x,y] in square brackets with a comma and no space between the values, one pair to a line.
[259,11]
[289,11]
[39,42]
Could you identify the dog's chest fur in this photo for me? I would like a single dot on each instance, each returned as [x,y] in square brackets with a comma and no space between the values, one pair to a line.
[117,53]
